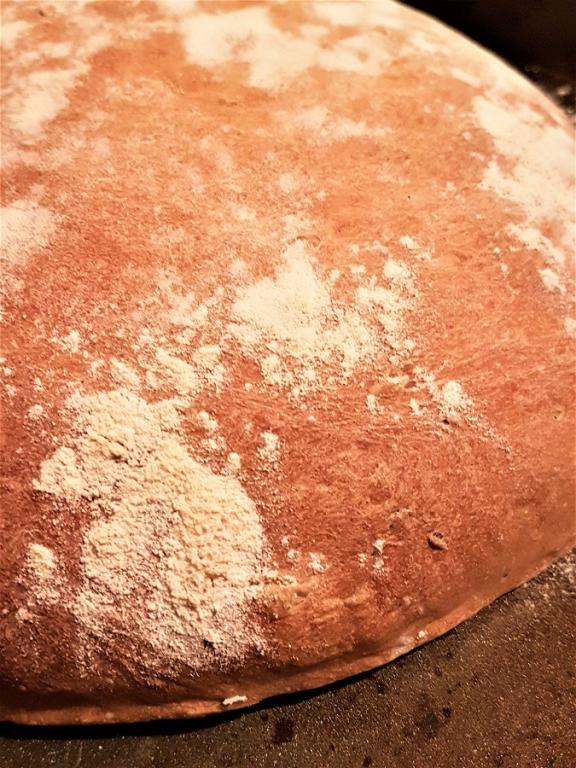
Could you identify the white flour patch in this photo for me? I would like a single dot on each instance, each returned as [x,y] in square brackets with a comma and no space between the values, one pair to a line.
[177,7]
[124,374]
[45,51]
[270,451]
[42,95]
[174,553]
[181,375]
[426,44]
[301,336]
[248,35]
[25,229]
[551,280]
[288,183]
[233,462]
[324,126]
[10,31]
[41,568]
[35,411]
[533,238]
[317,562]
[453,403]
[465,77]
[541,158]
[360,13]
[412,245]
[373,405]
[415,407]
[207,422]
[70,342]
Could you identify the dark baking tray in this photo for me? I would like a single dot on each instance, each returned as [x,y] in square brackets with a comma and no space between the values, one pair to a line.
[496,692]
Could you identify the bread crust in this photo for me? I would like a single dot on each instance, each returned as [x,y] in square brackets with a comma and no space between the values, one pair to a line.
[287,380]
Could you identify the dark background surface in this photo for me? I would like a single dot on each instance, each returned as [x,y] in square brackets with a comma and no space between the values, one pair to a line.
[497,692]
[536,36]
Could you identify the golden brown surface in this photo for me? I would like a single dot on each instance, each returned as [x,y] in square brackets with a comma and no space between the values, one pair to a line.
[288,328]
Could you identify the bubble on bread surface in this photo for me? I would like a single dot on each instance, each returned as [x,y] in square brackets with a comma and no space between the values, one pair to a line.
[174,552]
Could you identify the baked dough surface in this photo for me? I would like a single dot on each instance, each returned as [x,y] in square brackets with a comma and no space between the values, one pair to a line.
[288,333]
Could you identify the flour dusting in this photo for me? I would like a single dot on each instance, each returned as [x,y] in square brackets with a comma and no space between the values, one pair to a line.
[323,126]
[174,553]
[248,35]
[25,228]
[41,574]
[300,334]
[534,156]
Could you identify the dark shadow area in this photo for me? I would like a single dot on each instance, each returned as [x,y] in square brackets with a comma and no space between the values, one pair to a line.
[537,36]
[520,30]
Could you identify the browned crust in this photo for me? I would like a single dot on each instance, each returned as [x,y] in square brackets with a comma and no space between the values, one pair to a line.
[471,505]
[323,674]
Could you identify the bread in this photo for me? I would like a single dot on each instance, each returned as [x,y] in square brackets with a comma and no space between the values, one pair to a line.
[288,360]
